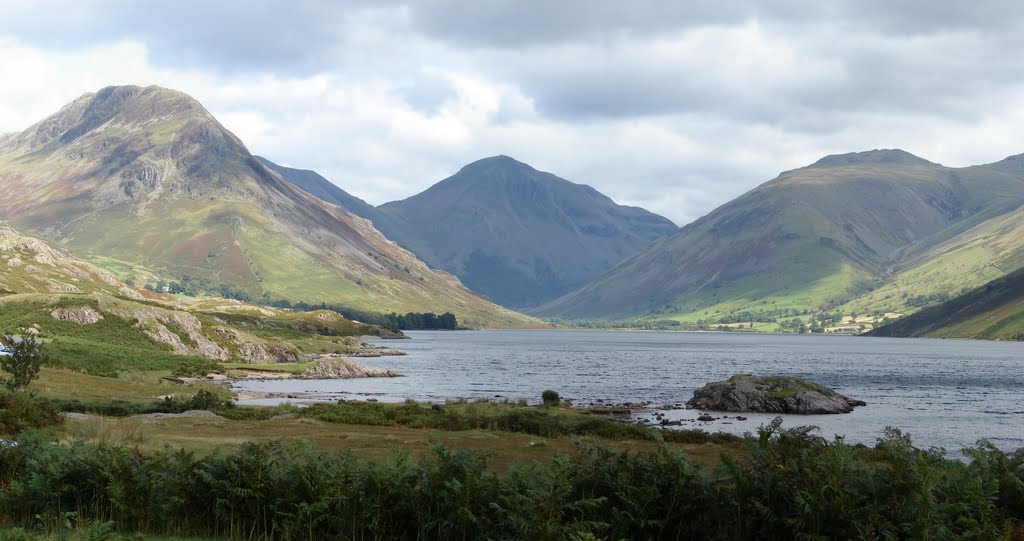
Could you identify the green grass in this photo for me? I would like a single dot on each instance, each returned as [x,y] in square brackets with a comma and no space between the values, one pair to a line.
[993,311]
[130,386]
[811,279]
[105,348]
[501,417]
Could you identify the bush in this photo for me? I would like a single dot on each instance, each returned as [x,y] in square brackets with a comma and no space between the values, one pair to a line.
[550,398]
[23,363]
[20,411]
[792,485]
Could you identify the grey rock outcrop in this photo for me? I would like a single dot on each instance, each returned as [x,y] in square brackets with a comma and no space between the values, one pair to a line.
[747,393]
[345,369]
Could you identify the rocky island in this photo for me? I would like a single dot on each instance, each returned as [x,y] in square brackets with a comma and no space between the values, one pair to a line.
[777,394]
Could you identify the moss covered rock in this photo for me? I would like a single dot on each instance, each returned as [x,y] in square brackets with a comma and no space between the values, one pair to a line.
[781,394]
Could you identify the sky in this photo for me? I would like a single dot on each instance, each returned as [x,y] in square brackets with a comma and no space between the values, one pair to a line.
[677,107]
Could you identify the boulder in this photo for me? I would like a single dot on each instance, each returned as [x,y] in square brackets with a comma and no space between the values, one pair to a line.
[780,394]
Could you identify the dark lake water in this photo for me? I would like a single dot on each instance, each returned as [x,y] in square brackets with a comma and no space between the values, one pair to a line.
[945,393]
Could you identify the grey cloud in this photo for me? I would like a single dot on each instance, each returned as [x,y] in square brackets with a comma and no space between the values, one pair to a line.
[511,23]
[945,73]
[299,36]
[515,24]
[859,74]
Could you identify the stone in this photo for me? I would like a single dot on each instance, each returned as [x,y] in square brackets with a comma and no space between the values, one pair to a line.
[82,315]
[781,394]
[344,369]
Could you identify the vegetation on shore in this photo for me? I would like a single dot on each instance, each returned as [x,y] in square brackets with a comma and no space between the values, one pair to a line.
[788,484]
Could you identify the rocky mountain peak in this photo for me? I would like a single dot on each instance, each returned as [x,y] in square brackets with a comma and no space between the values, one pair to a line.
[113,107]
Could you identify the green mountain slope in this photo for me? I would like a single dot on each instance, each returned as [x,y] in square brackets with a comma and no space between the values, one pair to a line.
[813,239]
[993,311]
[146,176]
[95,323]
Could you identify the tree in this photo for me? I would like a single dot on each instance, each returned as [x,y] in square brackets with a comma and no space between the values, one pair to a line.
[23,363]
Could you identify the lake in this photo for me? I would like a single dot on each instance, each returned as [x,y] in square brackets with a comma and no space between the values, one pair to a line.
[945,393]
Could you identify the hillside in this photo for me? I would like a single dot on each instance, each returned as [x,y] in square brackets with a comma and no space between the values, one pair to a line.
[993,311]
[94,323]
[815,238]
[147,178]
[518,235]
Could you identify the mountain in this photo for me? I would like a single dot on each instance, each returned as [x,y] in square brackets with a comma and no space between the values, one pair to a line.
[316,185]
[312,183]
[519,235]
[823,236]
[993,311]
[146,178]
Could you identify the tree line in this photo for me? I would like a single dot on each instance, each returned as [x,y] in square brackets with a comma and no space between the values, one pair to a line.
[412,321]
[194,286]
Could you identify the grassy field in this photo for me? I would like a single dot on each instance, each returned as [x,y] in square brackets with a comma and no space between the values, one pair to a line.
[206,436]
[508,432]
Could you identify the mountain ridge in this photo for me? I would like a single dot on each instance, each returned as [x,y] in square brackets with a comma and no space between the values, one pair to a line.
[155,163]
[814,237]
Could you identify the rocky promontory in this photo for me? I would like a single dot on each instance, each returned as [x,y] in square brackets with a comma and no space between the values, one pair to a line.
[328,368]
[778,394]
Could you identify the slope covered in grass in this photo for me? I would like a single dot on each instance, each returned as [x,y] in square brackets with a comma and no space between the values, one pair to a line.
[874,231]
[992,311]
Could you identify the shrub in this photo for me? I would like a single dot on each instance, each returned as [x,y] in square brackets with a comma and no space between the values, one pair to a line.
[23,363]
[20,411]
[550,398]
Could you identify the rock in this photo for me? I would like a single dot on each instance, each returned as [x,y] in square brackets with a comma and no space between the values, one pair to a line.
[705,417]
[82,315]
[747,393]
[75,416]
[131,294]
[190,414]
[343,369]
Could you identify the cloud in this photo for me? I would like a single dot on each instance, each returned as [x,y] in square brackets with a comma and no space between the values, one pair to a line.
[674,106]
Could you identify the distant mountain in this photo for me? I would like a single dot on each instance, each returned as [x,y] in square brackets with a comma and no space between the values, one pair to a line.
[519,235]
[146,177]
[828,235]
[993,311]
[312,183]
